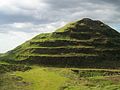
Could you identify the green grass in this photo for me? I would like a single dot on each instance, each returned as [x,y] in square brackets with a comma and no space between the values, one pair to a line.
[96,81]
[60,55]
[35,79]
[49,78]
[6,67]
[65,28]
[42,79]
[60,47]
[3,62]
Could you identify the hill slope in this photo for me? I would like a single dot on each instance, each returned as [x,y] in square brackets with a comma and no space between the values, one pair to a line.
[84,43]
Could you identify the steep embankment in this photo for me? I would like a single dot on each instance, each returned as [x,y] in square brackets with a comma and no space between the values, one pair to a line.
[84,43]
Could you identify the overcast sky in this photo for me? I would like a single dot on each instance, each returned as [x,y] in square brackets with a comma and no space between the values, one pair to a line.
[21,20]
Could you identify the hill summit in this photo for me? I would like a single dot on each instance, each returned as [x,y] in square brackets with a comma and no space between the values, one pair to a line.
[84,43]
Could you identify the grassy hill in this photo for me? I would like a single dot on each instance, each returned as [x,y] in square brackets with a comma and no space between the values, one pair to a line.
[82,55]
[84,43]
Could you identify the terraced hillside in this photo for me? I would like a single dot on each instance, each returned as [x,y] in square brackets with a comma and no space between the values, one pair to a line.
[84,43]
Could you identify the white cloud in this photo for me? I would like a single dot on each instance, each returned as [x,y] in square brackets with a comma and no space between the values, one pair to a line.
[10,41]
[21,25]
[30,27]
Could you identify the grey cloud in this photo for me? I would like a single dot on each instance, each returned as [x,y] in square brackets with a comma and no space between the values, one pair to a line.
[8,18]
[62,10]
[106,10]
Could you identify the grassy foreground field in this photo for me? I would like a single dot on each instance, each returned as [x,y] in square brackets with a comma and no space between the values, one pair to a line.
[49,78]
